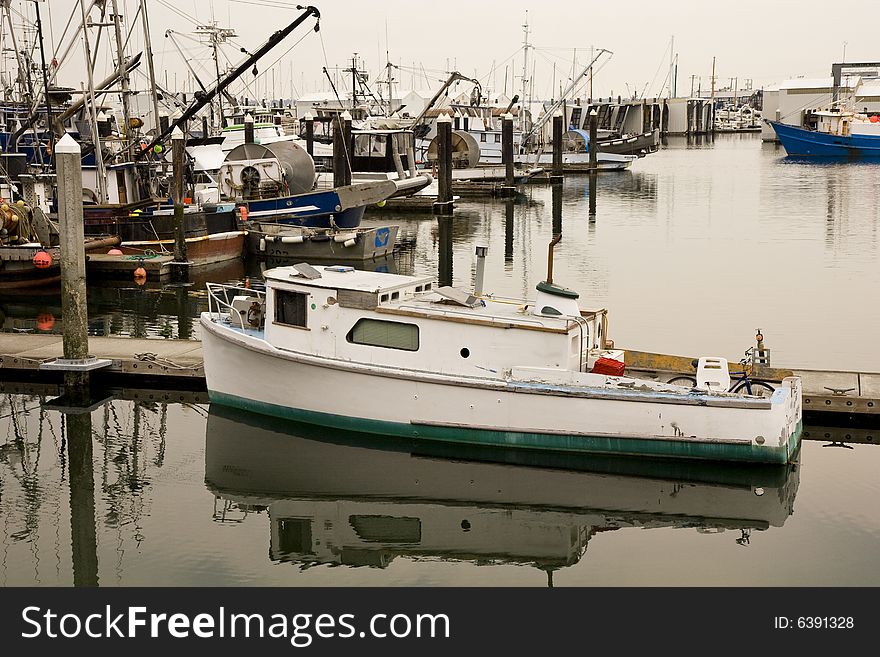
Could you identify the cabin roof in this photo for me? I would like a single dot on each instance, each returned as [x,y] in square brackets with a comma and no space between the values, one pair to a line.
[350,279]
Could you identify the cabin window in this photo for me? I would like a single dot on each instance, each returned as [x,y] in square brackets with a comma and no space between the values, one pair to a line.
[483,137]
[295,536]
[290,308]
[389,335]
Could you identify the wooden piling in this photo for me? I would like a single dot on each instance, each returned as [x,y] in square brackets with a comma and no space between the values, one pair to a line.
[74,306]
[594,140]
[444,203]
[249,132]
[508,232]
[509,189]
[556,177]
[342,150]
[83,536]
[444,264]
[557,210]
[180,266]
[310,133]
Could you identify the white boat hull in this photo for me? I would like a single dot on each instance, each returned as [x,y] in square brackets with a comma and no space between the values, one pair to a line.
[522,410]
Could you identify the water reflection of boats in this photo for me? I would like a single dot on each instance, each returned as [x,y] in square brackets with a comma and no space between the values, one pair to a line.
[332,500]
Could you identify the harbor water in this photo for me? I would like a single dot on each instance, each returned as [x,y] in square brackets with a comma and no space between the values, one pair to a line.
[690,251]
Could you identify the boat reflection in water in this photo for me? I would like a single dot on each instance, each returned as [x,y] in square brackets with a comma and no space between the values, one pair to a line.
[345,499]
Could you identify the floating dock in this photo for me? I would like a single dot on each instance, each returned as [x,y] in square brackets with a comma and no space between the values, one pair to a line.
[121,266]
[25,354]
[841,395]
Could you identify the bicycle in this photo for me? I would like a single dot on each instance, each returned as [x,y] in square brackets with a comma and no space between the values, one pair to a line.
[743,384]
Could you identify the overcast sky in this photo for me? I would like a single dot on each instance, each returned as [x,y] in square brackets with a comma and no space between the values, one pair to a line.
[760,40]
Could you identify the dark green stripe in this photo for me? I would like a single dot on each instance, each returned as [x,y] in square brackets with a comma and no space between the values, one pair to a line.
[543,441]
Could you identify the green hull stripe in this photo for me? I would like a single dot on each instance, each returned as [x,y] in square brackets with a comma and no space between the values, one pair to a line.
[592,444]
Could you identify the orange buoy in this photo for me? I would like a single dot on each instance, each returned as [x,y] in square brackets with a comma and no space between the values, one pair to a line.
[114,252]
[42,260]
[247,283]
[140,272]
[874,119]
[45,321]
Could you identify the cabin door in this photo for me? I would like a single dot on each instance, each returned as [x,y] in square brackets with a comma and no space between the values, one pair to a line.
[120,187]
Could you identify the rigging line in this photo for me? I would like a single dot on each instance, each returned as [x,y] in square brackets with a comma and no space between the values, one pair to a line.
[134,23]
[257,3]
[179,12]
[284,54]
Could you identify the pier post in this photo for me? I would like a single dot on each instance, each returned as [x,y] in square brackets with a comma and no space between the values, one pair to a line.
[83,534]
[594,193]
[444,273]
[509,207]
[594,140]
[556,175]
[557,210]
[310,133]
[444,203]
[180,266]
[342,150]
[249,136]
[74,301]
[204,127]
[509,189]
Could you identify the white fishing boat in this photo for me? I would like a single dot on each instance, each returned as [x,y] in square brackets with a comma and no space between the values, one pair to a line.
[395,355]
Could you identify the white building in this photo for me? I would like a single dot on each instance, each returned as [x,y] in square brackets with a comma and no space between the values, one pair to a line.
[789,101]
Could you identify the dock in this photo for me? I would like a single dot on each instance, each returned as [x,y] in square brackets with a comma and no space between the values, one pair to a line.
[115,266]
[841,395]
[131,358]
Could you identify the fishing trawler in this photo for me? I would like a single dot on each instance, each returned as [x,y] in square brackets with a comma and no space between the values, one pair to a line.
[832,133]
[396,355]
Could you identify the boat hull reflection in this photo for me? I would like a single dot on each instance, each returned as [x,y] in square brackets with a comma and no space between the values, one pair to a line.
[346,499]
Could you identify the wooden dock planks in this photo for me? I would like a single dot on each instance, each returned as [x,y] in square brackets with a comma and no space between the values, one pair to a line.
[180,359]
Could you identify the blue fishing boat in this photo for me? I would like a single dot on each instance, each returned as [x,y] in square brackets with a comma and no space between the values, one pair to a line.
[341,207]
[831,134]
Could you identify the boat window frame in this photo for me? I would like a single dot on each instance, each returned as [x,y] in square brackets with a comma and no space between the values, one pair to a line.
[277,306]
[349,337]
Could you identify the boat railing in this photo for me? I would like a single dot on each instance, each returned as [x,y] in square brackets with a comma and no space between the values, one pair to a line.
[221,303]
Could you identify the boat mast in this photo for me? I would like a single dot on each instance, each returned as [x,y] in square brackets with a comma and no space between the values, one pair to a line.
[23,78]
[669,88]
[45,80]
[126,91]
[713,82]
[200,101]
[525,74]
[92,109]
[354,73]
[150,70]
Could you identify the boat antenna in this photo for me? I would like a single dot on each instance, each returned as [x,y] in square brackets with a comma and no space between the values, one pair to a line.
[553,243]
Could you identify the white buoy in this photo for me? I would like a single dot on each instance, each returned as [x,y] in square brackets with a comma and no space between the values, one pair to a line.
[262,244]
[350,243]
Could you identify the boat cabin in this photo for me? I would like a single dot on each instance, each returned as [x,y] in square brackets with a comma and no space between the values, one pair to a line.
[338,312]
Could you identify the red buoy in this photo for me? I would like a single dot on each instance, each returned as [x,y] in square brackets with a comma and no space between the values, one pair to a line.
[114,252]
[45,321]
[42,260]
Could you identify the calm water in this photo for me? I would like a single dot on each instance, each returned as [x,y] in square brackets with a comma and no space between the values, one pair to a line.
[690,251]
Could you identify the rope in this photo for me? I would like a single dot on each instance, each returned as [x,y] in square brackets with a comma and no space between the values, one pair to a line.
[150,357]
